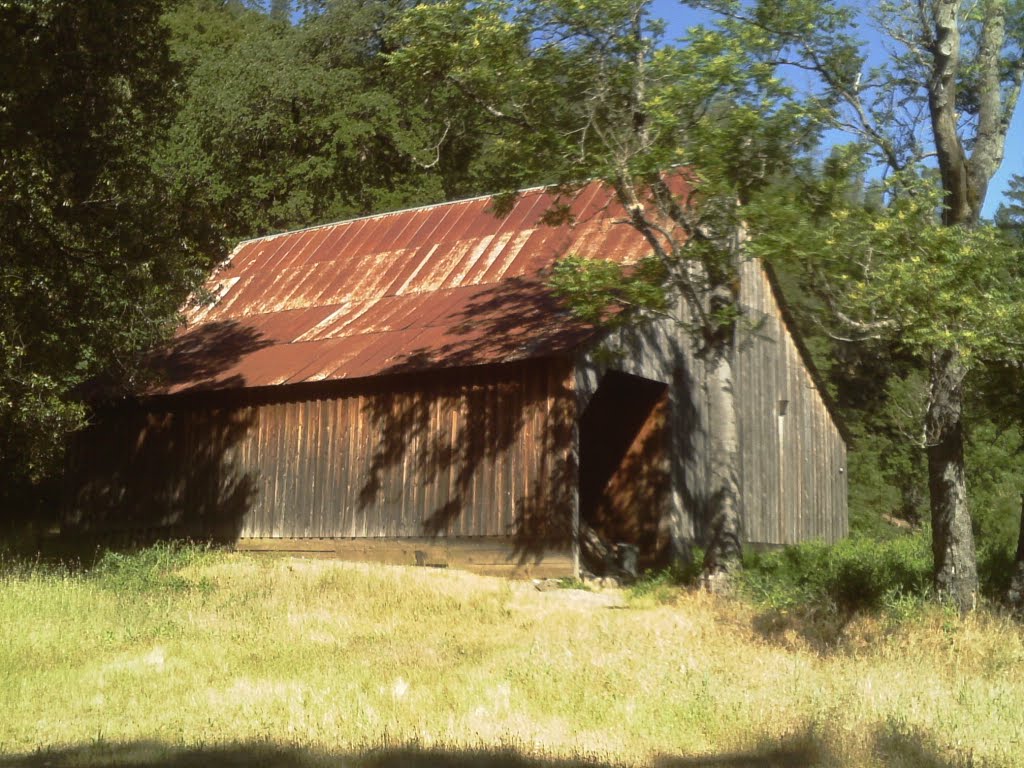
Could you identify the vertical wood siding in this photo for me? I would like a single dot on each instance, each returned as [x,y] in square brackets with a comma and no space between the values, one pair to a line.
[476,452]
[469,453]
[793,455]
[662,351]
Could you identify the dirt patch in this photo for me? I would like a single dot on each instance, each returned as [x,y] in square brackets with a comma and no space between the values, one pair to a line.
[557,598]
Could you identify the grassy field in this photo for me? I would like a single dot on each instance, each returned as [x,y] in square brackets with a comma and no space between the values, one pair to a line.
[196,658]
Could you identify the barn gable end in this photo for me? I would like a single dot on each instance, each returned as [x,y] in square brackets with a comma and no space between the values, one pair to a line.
[404,388]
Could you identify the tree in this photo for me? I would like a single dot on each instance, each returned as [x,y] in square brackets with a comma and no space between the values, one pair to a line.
[281,10]
[96,254]
[1010,215]
[947,93]
[576,91]
[287,125]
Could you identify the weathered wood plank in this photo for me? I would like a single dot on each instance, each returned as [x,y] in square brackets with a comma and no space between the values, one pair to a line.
[789,464]
[490,555]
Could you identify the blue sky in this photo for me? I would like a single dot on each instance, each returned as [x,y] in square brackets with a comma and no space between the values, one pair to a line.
[679,17]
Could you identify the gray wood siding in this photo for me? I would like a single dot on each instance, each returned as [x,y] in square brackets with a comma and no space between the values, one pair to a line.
[793,463]
[662,351]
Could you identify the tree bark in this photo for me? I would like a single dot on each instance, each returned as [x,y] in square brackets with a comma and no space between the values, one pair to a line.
[965,182]
[1015,595]
[949,150]
[995,105]
[724,513]
[956,575]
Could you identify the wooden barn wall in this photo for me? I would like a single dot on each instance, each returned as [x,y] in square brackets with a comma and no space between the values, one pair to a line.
[482,452]
[661,351]
[793,455]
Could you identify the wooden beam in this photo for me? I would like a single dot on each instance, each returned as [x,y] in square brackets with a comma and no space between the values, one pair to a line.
[498,556]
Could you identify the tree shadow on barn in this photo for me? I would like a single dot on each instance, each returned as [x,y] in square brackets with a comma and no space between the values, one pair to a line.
[488,428]
[152,468]
[528,410]
[482,452]
[201,357]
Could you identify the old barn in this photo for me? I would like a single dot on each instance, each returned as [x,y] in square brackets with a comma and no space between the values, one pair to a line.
[403,388]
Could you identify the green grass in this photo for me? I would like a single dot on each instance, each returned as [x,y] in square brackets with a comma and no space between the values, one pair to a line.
[180,657]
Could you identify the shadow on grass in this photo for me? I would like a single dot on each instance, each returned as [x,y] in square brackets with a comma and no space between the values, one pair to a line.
[891,745]
[822,630]
[800,754]
[898,745]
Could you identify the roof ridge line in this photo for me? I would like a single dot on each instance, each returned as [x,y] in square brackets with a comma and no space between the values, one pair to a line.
[381,214]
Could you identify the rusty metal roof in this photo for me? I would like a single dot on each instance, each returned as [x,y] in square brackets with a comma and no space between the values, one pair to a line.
[445,285]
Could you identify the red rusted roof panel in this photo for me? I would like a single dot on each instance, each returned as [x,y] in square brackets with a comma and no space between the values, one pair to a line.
[447,285]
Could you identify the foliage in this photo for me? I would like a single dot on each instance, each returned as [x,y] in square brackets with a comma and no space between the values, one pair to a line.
[136,143]
[878,389]
[945,94]
[663,586]
[896,272]
[684,134]
[945,97]
[598,290]
[113,164]
[898,287]
[284,126]
[1010,214]
[885,465]
[996,454]
[996,564]
[857,574]
[591,90]
[151,569]
[97,250]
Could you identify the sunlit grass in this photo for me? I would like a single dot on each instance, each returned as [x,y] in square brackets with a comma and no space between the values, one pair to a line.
[180,650]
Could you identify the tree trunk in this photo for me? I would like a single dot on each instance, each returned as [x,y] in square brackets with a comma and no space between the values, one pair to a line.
[965,180]
[956,575]
[1015,595]
[724,513]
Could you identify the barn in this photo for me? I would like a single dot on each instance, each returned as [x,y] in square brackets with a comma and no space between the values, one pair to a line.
[404,388]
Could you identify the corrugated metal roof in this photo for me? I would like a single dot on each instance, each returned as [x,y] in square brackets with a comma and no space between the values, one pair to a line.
[441,286]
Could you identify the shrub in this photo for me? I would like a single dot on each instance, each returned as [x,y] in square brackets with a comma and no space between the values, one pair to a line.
[995,567]
[684,572]
[855,574]
[148,569]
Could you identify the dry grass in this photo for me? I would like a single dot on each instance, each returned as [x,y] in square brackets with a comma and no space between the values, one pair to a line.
[229,660]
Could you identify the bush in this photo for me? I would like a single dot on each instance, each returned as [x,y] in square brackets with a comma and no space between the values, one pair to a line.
[854,575]
[996,562]
[149,569]
[662,586]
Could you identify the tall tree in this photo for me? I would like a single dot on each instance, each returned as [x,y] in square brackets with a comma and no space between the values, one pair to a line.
[946,95]
[96,253]
[576,91]
[1010,215]
[287,125]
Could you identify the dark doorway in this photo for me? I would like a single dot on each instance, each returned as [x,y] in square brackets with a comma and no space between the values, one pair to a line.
[624,466]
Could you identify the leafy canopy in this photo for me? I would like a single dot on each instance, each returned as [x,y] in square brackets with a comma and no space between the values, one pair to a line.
[97,252]
[285,125]
[894,270]
[575,91]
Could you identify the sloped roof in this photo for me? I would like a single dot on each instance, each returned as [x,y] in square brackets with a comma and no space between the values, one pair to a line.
[446,285]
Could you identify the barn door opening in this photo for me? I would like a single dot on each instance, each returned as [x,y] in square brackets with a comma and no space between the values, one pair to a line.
[624,472]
